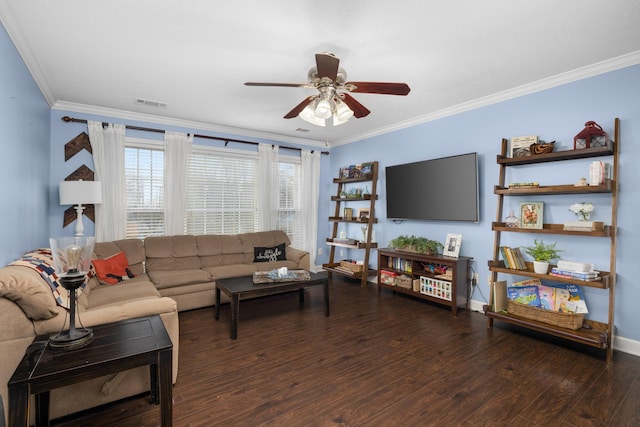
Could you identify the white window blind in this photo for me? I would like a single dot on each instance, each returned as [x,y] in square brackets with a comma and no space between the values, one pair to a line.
[144,175]
[289,218]
[222,193]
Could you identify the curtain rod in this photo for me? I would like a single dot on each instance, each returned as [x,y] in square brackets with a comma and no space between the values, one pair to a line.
[68,119]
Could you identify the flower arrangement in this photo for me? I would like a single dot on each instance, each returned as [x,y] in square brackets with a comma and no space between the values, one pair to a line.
[582,210]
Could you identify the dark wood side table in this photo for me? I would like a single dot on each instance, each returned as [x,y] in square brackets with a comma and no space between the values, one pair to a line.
[115,347]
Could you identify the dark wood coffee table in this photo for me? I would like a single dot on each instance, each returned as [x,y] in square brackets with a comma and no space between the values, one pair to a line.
[238,288]
[115,347]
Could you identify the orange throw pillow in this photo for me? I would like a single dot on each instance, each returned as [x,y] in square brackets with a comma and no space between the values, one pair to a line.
[115,265]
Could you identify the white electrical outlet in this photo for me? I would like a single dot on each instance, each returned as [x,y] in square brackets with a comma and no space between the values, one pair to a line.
[341,252]
[319,251]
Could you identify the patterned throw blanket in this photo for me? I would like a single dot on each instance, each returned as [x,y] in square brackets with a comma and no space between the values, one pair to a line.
[42,261]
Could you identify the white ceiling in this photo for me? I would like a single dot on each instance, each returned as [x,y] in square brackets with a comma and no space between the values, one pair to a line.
[194,56]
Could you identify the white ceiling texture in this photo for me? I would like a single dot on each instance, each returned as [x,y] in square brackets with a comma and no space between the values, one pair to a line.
[194,56]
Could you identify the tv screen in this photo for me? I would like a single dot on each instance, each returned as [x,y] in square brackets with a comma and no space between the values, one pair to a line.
[444,189]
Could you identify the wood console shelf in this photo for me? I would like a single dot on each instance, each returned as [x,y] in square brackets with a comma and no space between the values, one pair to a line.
[440,279]
[592,333]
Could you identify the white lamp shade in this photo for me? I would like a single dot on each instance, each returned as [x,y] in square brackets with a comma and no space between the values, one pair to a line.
[80,192]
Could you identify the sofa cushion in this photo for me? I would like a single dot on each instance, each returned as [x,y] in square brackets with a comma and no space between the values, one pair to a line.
[166,279]
[115,265]
[25,287]
[171,253]
[136,288]
[270,253]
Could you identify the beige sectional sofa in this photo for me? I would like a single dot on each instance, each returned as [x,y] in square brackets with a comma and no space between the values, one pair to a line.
[172,273]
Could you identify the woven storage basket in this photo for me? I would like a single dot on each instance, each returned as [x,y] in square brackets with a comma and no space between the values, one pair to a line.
[356,268]
[564,320]
[404,282]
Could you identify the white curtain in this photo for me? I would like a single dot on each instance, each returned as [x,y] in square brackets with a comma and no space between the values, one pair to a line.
[107,145]
[268,186]
[310,193]
[177,151]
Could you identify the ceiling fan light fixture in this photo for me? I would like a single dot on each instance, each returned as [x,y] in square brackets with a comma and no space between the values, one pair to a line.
[323,109]
[309,116]
[343,112]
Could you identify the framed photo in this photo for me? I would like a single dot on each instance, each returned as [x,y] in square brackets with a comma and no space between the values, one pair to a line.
[348,214]
[531,214]
[452,245]
[520,145]
[363,214]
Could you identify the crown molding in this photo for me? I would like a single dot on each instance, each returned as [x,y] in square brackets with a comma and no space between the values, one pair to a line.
[187,124]
[581,73]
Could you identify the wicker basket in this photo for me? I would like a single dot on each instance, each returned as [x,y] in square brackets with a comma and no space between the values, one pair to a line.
[404,282]
[356,268]
[564,320]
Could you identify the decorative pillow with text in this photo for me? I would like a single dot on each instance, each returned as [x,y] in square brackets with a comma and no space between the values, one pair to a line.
[275,253]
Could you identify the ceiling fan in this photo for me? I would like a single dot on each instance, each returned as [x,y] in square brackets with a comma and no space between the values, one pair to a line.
[333,98]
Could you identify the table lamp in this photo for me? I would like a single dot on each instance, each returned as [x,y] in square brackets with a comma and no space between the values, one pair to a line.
[80,193]
[72,260]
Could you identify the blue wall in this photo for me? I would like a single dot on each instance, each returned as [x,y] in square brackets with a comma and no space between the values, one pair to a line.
[24,141]
[554,114]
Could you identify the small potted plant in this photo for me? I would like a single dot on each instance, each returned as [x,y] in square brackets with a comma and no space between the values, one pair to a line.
[420,245]
[542,253]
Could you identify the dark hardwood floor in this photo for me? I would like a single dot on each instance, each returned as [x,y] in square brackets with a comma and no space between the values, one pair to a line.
[379,361]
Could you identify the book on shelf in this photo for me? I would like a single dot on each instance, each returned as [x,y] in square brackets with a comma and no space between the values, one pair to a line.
[583,226]
[588,276]
[513,258]
[527,295]
[524,185]
[572,303]
[527,282]
[547,296]
[498,295]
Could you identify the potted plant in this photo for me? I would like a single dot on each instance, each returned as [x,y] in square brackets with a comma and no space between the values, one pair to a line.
[420,245]
[542,253]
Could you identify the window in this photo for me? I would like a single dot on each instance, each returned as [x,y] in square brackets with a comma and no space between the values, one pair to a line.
[222,192]
[144,181]
[289,215]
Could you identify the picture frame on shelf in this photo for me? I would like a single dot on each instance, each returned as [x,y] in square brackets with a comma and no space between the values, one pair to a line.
[348,214]
[452,245]
[363,214]
[531,215]
[520,145]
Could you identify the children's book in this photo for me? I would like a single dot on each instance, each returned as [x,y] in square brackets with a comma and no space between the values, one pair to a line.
[547,296]
[528,282]
[527,295]
[573,301]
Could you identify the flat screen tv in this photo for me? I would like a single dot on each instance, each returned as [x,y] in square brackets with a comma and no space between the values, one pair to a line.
[444,189]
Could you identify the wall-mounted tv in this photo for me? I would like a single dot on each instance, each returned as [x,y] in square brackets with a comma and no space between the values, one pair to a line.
[444,189]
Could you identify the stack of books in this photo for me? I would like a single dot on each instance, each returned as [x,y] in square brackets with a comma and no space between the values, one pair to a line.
[513,258]
[587,276]
[583,226]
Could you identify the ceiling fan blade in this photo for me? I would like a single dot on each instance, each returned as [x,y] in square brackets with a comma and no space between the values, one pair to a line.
[327,65]
[380,87]
[358,109]
[278,84]
[298,108]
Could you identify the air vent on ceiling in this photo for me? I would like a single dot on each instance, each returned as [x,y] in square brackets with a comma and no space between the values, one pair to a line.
[149,103]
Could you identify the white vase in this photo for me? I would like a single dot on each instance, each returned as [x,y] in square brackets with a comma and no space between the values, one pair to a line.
[541,267]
